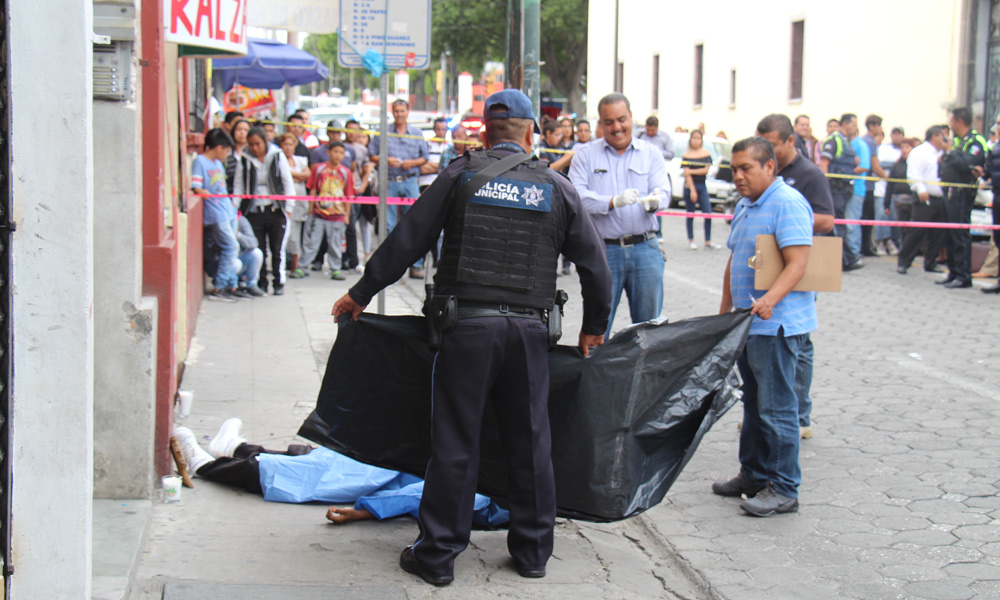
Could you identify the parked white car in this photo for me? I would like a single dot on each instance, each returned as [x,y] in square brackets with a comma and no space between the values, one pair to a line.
[719,180]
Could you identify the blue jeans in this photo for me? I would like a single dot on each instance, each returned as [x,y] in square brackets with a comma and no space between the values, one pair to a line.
[224,235]
[638,270]
[803,381]
[705,203]
[769,440]
[853,211]
[408,188]
[248,267]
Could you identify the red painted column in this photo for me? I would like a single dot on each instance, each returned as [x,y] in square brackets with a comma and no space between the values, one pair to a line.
[159,253]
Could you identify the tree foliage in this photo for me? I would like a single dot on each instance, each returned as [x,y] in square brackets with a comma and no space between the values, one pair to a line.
[563,46]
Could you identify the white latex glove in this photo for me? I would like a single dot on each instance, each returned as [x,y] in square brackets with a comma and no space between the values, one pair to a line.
[629,196]
[652,202]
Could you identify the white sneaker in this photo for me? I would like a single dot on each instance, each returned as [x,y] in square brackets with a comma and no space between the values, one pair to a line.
[194,455]
[711,246]
[227,440]
[692,246]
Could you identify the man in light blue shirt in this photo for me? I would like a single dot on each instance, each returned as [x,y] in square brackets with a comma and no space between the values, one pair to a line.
[622,182]
[857,201]
[408,151]
[769,441]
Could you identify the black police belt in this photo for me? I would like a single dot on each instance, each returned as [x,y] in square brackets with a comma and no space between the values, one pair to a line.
[471,310]
[631,240]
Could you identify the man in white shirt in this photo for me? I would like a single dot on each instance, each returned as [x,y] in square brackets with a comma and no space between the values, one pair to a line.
[622,182]
[921,167]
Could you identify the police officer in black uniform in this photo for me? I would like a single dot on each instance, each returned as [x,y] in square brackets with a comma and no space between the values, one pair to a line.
[499,259]
[962,165]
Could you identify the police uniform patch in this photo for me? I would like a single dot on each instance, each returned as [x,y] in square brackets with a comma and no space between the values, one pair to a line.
[512,193]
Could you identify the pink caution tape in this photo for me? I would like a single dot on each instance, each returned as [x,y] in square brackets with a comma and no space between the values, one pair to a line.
[662,213]
[923,224]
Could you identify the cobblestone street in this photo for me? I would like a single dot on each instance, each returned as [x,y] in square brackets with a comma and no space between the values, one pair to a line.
[900,482]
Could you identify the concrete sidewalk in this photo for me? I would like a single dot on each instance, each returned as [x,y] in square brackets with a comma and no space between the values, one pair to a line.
[262,360]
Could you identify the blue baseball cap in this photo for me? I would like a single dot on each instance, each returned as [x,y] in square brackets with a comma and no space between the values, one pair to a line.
[518,106]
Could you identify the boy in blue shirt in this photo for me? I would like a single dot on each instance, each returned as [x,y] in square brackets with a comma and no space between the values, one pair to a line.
[208,176]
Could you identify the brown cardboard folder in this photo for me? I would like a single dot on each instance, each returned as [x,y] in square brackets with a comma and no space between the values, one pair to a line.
[822,271]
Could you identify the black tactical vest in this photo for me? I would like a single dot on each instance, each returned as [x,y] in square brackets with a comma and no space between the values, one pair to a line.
[503,244]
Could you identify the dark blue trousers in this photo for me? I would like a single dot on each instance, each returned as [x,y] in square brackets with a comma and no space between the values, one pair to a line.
[959,206]
[504,358]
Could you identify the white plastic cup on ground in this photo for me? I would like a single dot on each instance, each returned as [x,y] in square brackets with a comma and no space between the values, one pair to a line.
[186,398]
[171,488]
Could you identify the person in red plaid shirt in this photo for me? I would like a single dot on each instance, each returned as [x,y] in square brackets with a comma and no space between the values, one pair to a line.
[329,217]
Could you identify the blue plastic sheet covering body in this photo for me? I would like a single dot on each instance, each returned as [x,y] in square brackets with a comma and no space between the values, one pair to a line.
[385,504]
[624,421]
[324,476]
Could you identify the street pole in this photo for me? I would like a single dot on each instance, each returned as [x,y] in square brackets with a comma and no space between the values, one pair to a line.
[617,83]
[523,69]
[383,172]
[532,54]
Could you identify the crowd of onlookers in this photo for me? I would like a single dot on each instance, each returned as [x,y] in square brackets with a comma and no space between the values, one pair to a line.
[250,158]
[247,163]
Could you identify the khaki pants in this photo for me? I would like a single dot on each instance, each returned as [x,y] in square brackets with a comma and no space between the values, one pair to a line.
[991,266]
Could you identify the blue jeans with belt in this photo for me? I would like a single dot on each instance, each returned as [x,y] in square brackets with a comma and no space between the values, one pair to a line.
[638,270]
[769,440]
[408,188]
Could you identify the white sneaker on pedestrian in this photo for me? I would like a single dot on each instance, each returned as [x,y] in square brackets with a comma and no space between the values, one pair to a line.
[692,246]
[227,440]
[194,455]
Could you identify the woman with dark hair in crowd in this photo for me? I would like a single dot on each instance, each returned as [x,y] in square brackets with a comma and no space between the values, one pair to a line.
[298,210]
[263,172]
[695,192]
[239,134]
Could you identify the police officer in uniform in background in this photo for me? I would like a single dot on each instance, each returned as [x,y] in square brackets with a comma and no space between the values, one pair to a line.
[963,164]
[837,157]
[499,259]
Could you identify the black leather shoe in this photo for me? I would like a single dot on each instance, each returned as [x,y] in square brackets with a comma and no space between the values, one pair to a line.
[531,573]
[934,269]
[992,290]
[901,270]
[408,563]
[944,281]
[737,486]
[854,266]
[958,283]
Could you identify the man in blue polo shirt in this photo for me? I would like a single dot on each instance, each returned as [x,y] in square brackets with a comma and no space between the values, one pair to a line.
[769,441]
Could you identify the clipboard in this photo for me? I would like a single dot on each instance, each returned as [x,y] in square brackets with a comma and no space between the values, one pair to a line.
[823,270]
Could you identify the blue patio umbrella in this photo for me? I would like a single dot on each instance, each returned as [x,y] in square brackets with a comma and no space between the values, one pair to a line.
[269,65]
